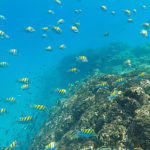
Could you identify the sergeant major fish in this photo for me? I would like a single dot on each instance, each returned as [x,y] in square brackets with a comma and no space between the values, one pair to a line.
[82,59]
[25,119]
[11,100]
[3,111]
[73,70]
[24,80]
[57,29]
[25,86]
[13,51]
[38,107]
[63,91]
[3,35]
[50,146]
[3,64]
[102,85]
[86,133]
[141,75]
[120,81]
[74,29]
[13,144]
[113,95]
[29,29]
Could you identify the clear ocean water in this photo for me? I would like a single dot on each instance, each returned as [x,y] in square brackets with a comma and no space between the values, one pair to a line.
[34,62]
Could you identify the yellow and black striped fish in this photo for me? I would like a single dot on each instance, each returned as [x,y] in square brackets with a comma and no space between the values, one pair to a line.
[113,95]
[3,111]
[63,91]
[25,86]
[39,107]
[50,146]
[13,144]
[141,75]
[10,99]
[3,64]
[73,70]
[120,81]
[102,85]
[13,51]
[24,80]
[86,133]
[25,119]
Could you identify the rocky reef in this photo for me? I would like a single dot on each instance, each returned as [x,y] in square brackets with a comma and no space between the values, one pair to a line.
[121,123]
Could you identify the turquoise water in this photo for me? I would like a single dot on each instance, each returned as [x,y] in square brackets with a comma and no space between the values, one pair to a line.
[34,62]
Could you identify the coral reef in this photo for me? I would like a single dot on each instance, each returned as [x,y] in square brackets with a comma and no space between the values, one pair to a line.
[122,123]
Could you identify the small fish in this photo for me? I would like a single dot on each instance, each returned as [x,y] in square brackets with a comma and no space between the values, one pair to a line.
[13,51]
[58,2]
[48,48]
[38,107]
[51,12]
[25,86]
[44,35]
[144,6]
[62,46]
[128,12]
[144,33]
[25,119]
[3,35]
[13,144]
[141,75]
[77,24]
[74,29]
[86,133]
[24,80]
[57,29]
[146,25]
[113,12]
[128,62]
[82,59]
[29,29]
[134,10]
[2,17]
[120,81]
[3,64]
[60,21]
[11,100]
[103,7]
[106,34]
[3,111]
[45,29]
[77,11]
[130,20]
[73,70]
[50,146]
[63,91]
[113,95]
[102,85]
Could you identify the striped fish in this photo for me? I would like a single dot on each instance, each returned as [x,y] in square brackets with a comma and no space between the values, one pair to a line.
[86,133]
[25,119]
[102,85]
[50,146]
[113,95]
[141,75]
[120,81]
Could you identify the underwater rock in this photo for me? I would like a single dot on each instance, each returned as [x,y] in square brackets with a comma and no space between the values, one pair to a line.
[139,130]
[120,123]
[113,135]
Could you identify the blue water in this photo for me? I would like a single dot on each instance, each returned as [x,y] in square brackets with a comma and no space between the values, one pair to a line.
[35,63]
